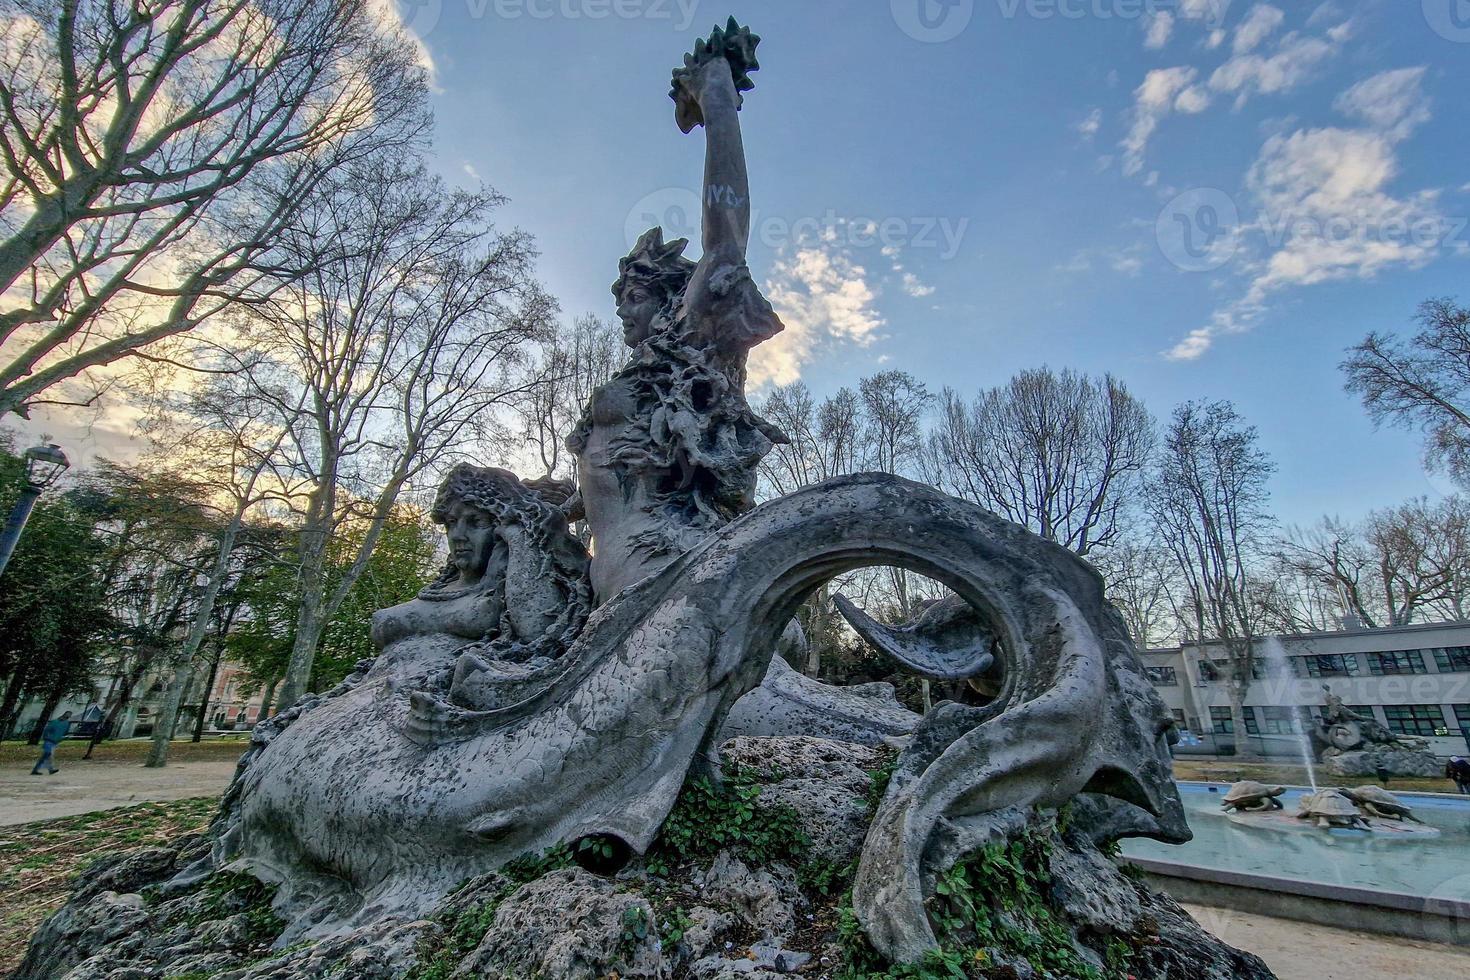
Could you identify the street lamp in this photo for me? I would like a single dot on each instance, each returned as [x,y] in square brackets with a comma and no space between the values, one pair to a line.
[44,465]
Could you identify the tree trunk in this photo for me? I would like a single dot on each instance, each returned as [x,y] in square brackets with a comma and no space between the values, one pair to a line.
[265,702]
[309,621]
[124,696]
[204,695]
[47,710]
[184,669]
[168,717]
[1237,692]
[10,708]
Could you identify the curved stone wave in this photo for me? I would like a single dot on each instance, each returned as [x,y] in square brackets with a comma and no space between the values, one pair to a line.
[384,798]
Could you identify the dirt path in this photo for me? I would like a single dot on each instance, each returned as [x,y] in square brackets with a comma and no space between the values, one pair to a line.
[1300,951]
[83,787]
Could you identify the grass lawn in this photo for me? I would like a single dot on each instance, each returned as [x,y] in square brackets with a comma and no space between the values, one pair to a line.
[39,860]
[131,750]
[1274,773]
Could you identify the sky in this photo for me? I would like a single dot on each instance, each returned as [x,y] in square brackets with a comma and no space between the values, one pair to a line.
[1206,198]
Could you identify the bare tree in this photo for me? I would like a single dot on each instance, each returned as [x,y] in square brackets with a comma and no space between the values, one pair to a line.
[153,152]
[1389,570]
[1421,384]
[1207,499]
[403,345]
[231,446]
[1143,584]
[574,363]
[826,438]
[1058,453]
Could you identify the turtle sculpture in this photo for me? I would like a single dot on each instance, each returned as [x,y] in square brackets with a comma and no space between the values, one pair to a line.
[1379,802]
[1250,795]
[1329,808]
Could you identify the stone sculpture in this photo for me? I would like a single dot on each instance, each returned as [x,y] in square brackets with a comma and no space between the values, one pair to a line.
[1328,808]
[534,696]
[1248,795]
[1358,745]
[1375,801]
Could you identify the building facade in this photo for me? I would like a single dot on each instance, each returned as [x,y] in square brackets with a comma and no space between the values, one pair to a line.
[1413,679]
[233,704]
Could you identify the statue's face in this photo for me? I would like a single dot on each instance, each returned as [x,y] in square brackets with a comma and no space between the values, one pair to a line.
[638,308]
[471,534]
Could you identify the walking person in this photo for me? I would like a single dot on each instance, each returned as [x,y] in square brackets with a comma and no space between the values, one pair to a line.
[1459,770]
[51,737]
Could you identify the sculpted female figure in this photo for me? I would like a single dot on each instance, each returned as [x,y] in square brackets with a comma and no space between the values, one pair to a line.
[667,449]
[514,587]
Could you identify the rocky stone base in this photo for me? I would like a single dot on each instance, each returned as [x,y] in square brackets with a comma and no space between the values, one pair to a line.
[749,881]
[1398,762]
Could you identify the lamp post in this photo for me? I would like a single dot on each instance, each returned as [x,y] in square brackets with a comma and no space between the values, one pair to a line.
[44,465]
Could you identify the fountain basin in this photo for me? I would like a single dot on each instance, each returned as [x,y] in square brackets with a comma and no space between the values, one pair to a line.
[1391,882]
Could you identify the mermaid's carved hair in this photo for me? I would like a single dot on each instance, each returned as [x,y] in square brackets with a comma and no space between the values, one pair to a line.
[657,264]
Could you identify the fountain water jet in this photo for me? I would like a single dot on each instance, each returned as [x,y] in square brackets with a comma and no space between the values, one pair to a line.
[1275,655]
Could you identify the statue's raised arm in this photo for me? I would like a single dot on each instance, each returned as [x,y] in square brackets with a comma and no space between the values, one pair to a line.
[707,92]
[721,303]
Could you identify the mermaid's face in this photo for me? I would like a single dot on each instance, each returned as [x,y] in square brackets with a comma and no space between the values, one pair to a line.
[471,533]
[637,308]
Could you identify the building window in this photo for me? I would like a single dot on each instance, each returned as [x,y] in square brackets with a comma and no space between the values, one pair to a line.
[1276,720]
[1178,714]
[1208,671]
[1414,719]
[1326,665]
[1462,717]
[1163,676]
[1220,721]
[1397,662]
[1449,659]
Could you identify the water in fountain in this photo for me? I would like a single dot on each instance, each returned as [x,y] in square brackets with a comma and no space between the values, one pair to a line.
[1280,669]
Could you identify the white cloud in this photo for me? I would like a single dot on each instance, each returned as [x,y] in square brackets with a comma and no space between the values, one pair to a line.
[1392,102]
[1164,90]
[472,173]
[1293,62]
[1215,39]
[1325,213]
[1158,27]
[1257,25]
[916,287]
[1126,261]
[823,297]
[1089,126]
